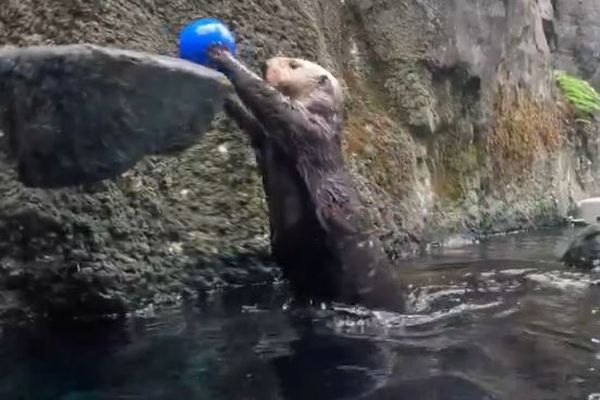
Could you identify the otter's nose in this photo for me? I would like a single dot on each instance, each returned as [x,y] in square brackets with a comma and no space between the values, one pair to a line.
[264,68]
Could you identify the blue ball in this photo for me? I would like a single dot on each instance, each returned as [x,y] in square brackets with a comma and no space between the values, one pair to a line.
[198,36]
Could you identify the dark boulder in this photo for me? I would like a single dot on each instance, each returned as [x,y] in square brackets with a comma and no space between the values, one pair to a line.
[584,250]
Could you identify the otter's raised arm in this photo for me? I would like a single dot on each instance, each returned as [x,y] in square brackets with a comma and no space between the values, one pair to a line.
[245,121]
[276,112]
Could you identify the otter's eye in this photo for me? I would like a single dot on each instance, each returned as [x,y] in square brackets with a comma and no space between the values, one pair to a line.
[323,79]
[294,65]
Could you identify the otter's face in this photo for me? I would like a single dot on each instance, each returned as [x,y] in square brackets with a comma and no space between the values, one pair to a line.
[301,80]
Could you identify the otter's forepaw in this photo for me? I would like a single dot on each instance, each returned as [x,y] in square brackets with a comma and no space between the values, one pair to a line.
[219,55]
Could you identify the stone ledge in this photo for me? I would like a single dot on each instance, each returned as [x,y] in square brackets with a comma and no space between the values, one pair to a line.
[77,114]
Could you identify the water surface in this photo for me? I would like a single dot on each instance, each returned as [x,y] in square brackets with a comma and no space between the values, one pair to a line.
[498,320]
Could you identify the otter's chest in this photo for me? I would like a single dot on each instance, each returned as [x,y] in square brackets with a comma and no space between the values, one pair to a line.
[287,194]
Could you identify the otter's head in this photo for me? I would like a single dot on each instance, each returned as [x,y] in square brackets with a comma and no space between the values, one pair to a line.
[304,81]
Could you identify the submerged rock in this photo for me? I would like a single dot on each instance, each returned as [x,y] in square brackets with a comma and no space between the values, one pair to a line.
[81,113]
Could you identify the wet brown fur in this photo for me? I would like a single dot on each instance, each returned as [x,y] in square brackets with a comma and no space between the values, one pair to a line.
[318,235]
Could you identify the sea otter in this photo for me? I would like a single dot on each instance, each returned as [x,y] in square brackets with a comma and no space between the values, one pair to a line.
[318,234]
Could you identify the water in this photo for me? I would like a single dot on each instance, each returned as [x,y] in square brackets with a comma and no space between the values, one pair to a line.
[500,320]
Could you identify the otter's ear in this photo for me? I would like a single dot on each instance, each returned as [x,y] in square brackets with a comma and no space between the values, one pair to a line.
[323,79]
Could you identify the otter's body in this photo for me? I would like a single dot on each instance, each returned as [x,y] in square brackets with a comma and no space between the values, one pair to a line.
[318,236]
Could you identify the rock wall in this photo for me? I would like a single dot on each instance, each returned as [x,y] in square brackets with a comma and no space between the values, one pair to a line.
[469,86]
[575,33]
[452,128]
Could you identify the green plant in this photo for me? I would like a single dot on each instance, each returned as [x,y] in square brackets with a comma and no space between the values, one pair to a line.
[579,93]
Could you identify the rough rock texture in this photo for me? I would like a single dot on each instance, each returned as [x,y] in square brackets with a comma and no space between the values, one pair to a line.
[575,32]
[452,128]
[80,114]
[195,221]
[576,37]
[466,87]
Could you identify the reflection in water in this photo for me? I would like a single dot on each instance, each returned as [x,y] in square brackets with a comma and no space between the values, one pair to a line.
[500,320]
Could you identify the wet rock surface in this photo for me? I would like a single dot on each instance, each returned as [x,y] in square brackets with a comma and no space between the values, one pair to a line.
[436,90]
